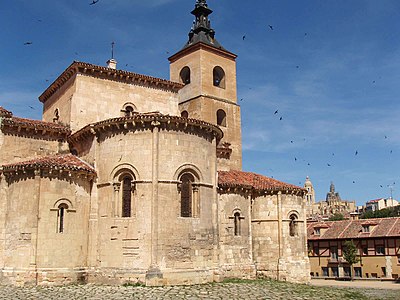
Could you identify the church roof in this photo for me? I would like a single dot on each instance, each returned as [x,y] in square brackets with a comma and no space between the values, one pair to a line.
[5,113]
[253,181]
[151,119]
[36,126]
[60,162]
[110,74]
[352,229]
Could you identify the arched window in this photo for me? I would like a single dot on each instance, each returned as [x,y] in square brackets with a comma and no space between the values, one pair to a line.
[187,195]
[237,224]
[128,111]
[126,196]
[219,77]
[293,225]
[221,117]
[184,114]
[185,75]
[62,209]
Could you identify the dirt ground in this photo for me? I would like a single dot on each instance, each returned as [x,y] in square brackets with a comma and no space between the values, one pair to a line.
[368,284]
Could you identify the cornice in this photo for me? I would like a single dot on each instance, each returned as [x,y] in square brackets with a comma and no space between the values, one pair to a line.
[110,74]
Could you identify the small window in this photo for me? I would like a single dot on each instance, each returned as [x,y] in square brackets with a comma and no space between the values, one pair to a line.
[317,231]
[316,251]
[185,75]
[325,271]
[398,259]
[357,272]
[221,117]
[219,77]
[335,271]
[293,225]
[186,194]
[62,209]
[126,196]
[129,111]
[380,250]
[184,114]
[56,115]
[365,250]
[334,253]
[365,228]
[237,225]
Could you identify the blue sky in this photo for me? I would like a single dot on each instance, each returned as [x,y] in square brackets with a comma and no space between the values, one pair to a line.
[331,68]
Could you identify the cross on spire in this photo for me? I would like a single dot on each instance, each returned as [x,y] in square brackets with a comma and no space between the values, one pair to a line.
[201,31]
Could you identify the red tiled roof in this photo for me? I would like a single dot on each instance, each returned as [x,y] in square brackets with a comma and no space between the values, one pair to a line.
[111,74]
[36,125]
[375,200]
[138,119]
[352,229]
[62,162]
[248,180]
[5,113]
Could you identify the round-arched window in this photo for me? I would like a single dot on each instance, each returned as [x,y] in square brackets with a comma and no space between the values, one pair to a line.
[184,114]
[219,77]
[221,117]
[185,75]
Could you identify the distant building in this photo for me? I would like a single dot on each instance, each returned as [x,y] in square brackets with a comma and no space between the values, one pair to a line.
[377,241]
[332,205]
[381,203]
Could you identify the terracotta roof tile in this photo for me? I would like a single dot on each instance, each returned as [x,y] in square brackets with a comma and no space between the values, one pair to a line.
[62,161]
[142,118]
[36,125]
[5,113]
[111,74]
[352,229]
[248,180]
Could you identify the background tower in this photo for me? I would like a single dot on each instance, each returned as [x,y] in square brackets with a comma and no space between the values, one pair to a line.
[209,74]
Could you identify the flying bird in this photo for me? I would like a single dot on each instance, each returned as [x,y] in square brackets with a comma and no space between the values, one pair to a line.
[28,43]
[280,119]
[94,2]
[297,67]
[328,165]
[243,37]
[31,107]
[270,27]
[295,159]
[356,152]
[275,112]
[291,142]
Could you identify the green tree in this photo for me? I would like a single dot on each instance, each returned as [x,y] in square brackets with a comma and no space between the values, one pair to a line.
[350,255]
[336,217]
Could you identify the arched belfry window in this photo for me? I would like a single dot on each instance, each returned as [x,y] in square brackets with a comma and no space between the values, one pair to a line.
[126,196]
[184,114]
[293,225]
[184,75]
[221,117]
[219,77]
[62,209]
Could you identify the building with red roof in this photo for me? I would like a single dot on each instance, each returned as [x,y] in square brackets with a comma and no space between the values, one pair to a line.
[377,242]
[132,178]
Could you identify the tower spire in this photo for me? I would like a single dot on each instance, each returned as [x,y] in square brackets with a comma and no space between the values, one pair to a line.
[201,31]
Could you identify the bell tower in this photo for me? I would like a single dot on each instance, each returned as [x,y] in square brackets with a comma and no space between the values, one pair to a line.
[209,74]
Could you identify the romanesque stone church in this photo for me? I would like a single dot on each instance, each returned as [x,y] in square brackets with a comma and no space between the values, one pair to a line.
[132,178]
